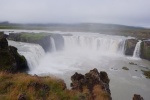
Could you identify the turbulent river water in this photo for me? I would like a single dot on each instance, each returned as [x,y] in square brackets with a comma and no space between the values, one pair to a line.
[85,51]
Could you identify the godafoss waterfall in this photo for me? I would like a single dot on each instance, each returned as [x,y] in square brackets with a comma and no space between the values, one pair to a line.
[82,52]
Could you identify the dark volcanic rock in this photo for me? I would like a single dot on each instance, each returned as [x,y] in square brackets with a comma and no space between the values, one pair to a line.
[10,60]
[104,77]
[94,82]
[130,46]
[145,50]
[137,97]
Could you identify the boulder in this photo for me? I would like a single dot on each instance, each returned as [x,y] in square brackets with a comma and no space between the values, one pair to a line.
[97,84]
[130,46]
[137,97]
[145,50]
[10,60]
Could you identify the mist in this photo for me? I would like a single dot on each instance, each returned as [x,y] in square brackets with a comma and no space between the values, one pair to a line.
[127,12]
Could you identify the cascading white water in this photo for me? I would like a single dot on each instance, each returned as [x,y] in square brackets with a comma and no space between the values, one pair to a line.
[100,44]
[32,52]
[53,49]
[137,49]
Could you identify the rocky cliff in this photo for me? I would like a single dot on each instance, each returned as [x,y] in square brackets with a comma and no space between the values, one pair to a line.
[94,84]
[145,50]
[10,60]
[130,46]
[42,39]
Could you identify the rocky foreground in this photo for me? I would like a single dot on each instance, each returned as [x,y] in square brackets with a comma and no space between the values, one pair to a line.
[14,85]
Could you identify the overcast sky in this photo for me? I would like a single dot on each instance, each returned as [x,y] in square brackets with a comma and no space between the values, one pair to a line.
[127,12]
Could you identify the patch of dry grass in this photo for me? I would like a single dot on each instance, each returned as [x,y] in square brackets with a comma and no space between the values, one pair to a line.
[33,87]
[13,86]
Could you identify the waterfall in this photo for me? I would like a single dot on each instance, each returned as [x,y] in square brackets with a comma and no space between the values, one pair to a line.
[32,52]
[101,44]
[137,49]
[53,47]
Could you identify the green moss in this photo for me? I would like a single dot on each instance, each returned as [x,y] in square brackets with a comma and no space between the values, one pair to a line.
[6,60]
[146,73]
[33,36]
[145,50]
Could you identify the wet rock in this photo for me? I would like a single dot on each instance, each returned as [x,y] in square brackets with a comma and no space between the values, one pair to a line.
[59,41]
[146,73]
[96,83]
[145,50]
[10,60]
[137,97]
[130,46]
[125,68]
[132,63]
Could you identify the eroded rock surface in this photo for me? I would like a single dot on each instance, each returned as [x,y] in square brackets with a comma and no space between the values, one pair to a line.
[94,83]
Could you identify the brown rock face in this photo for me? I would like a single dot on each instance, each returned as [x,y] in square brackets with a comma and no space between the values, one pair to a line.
[137,97]
[97,84]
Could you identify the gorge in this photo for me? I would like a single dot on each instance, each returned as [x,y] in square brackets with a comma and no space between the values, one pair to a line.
[84,51]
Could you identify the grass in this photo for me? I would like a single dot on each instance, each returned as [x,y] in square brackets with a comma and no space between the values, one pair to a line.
[125,31]
[34,87]
[13,86]
[33,36]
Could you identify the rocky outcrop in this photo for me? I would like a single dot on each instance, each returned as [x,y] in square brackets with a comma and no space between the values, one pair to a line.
[10,60]
[130,46]
[137,97]
[44,42]
[95,84]
[145,50]
[42,39]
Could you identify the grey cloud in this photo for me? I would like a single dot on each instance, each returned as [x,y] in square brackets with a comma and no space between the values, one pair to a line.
[129,12]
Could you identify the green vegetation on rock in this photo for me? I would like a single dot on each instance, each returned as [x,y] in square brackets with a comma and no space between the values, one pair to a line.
[146,73]
[27,37]
[33,36]
[145,50]
[10,60]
